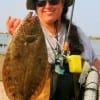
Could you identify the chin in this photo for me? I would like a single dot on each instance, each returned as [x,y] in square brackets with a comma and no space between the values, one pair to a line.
[49,21]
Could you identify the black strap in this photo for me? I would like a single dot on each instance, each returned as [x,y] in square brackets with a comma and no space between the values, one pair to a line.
[54,78]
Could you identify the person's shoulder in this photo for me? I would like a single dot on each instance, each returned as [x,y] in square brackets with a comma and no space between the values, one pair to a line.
[83,36]
[81,32]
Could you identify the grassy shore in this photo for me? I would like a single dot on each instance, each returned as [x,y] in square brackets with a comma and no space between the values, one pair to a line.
[1,63]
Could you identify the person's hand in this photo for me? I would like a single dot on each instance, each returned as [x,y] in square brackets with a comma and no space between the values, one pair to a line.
[96,63]
[12,24]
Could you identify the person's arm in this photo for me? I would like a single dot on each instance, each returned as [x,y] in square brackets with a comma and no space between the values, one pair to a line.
[96,63]
[89,53]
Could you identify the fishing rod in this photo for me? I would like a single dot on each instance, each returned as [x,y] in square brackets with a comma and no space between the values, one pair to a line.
[70,22]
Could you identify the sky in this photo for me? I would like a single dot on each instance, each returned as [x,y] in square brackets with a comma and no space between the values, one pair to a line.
[86,14]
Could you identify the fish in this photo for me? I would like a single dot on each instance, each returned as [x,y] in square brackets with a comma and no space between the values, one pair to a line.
[25,68]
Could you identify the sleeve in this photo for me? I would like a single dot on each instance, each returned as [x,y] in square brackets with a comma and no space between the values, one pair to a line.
[88,53]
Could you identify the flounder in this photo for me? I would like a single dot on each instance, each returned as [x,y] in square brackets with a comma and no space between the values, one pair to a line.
[26,69]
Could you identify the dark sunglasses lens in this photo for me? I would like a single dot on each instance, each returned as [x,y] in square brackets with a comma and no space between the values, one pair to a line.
[53,2]
[41,3]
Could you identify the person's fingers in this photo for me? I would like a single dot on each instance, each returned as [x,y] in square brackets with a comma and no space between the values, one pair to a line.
[7,22]
[17,23]
[11,24]
[11,31]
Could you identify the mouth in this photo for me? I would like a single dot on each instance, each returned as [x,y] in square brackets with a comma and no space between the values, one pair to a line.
[49,12]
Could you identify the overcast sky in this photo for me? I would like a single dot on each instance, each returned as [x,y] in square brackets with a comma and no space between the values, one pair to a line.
[86,14]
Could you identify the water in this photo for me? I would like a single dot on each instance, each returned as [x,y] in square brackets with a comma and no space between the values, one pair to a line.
[96,46]
[4,39]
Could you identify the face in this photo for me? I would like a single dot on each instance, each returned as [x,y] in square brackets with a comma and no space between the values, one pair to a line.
[49,13]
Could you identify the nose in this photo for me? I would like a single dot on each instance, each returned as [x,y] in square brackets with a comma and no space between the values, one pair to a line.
[47,3]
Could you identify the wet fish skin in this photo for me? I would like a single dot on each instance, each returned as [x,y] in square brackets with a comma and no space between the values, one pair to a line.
[26,67]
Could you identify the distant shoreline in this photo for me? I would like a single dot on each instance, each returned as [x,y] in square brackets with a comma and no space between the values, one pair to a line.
[94,38]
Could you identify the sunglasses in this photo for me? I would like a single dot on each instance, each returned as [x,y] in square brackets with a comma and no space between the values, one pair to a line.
[41,3]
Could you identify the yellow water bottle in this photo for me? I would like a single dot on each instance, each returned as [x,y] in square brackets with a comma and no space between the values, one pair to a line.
[75,63]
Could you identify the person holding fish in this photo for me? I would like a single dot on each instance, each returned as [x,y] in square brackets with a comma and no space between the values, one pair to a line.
[60,44]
